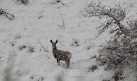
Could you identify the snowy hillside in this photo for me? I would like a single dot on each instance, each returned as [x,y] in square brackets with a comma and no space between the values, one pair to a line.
[40,21]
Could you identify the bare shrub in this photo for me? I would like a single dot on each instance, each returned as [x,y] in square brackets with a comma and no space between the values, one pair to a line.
[121,51]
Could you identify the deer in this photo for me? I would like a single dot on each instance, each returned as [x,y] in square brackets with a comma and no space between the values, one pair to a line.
[60,55]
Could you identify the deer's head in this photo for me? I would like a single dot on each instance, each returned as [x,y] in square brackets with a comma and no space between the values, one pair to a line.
[54,44]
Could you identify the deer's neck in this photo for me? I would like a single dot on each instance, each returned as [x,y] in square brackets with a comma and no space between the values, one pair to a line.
[54,49]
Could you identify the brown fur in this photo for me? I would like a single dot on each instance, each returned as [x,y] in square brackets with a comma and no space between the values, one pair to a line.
[61,55]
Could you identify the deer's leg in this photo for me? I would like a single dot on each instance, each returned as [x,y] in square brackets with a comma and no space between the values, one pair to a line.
[58,62]
[68,63]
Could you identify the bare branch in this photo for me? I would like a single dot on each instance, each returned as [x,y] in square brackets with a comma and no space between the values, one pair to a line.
[104,26]
[43,47]
[8,15]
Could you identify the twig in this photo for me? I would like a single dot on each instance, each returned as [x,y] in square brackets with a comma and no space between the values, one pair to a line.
[8,15]
[63,22]
[10,18]
[43,47]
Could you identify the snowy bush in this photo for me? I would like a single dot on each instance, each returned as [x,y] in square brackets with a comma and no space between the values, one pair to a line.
[25,2]
[121,51]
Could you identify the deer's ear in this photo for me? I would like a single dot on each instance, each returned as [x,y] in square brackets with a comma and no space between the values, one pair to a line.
[51,41]
[56,41]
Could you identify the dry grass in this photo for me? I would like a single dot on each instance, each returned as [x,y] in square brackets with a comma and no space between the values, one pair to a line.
[93,68]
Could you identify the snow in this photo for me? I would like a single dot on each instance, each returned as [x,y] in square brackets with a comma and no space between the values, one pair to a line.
[39,22]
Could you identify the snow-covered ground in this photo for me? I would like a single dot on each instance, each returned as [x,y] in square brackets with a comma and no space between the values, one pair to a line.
[40,21]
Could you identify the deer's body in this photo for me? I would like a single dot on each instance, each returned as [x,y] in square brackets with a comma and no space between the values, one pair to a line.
[61,55]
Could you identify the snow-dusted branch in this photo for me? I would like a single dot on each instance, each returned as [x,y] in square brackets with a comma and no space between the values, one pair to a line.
[114,15]
[8,15]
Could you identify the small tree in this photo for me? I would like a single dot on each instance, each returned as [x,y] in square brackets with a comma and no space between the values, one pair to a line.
[121,51]
[114,16]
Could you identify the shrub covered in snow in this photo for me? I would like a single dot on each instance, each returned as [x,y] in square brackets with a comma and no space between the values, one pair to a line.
[22,1]
[121,51]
